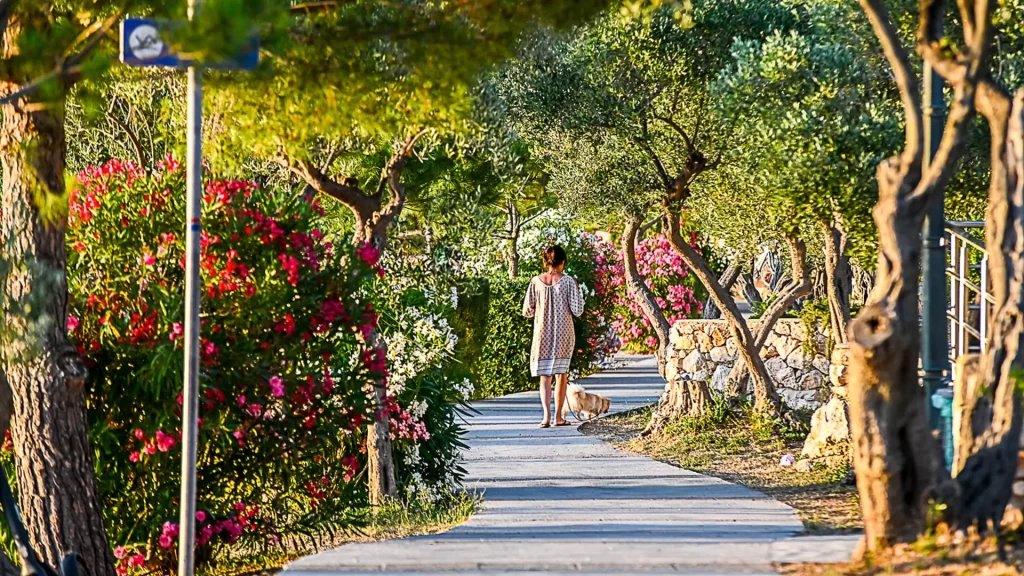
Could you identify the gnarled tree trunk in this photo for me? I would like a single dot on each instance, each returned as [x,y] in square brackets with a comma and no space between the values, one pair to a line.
[898,464]
[373,216]
[989,388]
[54,459]
[838,281]
[766,398]
[642,294]
[728,278]
[797,287]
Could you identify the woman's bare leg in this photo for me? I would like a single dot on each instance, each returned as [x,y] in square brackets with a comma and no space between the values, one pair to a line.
[545,397]
[561,384]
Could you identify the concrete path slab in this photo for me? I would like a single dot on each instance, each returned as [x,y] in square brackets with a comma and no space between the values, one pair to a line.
[559,502]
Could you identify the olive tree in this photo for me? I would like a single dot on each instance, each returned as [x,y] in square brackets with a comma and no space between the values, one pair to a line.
[645,83]
[899,468]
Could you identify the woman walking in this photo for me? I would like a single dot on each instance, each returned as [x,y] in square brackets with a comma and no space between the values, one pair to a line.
[552,299]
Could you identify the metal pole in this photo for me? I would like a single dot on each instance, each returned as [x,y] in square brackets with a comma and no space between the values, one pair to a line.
[935,338]
[190,395]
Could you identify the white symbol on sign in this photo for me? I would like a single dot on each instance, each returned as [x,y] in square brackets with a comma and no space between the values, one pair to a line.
[145,42]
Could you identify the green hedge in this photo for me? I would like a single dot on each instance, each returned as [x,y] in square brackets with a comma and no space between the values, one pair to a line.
[503,367]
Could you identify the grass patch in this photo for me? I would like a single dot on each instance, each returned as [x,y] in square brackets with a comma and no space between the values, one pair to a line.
[396,520]
[738,446]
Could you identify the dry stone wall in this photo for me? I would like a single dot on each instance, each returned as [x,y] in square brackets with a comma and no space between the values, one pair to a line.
[705,350]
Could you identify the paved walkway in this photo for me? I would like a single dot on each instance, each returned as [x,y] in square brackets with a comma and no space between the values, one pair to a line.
[557,501]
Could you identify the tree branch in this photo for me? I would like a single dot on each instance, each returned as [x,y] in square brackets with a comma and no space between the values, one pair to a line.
[351,196]
[139,155]
[643,141]
[690,146]
[899,60]
[67,69]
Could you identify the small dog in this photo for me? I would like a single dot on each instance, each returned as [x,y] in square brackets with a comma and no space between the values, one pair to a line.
[584,404]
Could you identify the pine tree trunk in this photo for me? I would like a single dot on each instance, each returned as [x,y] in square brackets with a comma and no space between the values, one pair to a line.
[766,399]
[54,460]
[989,389]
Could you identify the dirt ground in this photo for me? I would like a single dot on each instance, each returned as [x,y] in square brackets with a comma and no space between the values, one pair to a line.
[929,557]
[734,448]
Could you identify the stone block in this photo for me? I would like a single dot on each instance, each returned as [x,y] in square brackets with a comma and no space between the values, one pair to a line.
[781,328]
[796,360]
[830,430]
[703,342]
[720,377]
[720,354]
[840,391]
[800,399]
[775,366]
[810,381]
[796,329]
[820,364]
[730,345]
[718,336]
[692,363]
[837,374]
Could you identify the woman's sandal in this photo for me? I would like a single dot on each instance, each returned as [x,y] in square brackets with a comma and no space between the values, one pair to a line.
[566,423]
[544,425]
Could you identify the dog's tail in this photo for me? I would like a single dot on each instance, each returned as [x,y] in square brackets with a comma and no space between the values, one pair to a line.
[575,389]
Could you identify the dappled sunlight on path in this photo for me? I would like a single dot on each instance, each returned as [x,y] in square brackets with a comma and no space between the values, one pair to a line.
[558,501]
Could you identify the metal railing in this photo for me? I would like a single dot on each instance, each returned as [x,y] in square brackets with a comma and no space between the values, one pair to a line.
[970,298]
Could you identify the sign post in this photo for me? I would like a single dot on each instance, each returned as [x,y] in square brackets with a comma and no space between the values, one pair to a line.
[190,396]
[141,45]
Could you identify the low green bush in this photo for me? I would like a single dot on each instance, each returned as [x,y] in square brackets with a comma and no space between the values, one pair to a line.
[503,367]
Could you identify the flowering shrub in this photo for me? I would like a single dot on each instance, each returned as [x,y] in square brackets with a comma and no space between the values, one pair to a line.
[283,407]
[665,274]
[426,385]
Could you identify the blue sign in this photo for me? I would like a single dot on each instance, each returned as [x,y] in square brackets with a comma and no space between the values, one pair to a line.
[141,45]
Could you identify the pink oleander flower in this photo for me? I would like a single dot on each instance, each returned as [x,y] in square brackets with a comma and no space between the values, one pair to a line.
[120,552]
[276,386]
[164,441]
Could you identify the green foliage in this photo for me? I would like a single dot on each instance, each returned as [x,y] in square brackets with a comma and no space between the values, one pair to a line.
[813,120]
[504,365]
[816,315]
[472,319]
[364,70]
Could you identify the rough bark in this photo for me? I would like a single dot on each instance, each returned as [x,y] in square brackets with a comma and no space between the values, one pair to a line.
[838,281]
[54,460]
[798,286]
[728,279]
[683,397]
[642,294]
[374,215]
[380,462]
[898,464]
[766,398]
[750,293]
[989,387]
